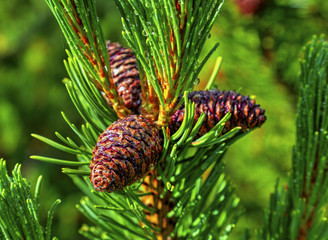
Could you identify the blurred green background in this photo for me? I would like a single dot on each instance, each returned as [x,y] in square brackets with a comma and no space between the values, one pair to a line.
[260,53]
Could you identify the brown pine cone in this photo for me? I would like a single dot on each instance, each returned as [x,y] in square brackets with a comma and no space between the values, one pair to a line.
[124,153]
[216,104]
[125,74]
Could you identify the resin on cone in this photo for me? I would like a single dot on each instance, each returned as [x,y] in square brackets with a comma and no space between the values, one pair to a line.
[125,74]
[125,153]
[245,113]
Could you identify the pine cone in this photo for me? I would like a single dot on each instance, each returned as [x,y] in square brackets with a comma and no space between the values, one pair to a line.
[124,153]
[249,7]
[125,74]
[216,104]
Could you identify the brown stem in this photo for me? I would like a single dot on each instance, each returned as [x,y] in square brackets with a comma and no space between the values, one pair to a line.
[161,207]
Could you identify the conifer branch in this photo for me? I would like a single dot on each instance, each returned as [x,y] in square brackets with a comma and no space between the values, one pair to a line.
[79,23]
[296,212]
[179,181]
[186,196]
[167,38]
[19,209]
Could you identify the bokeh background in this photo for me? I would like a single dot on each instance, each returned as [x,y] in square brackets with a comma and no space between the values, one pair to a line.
[260,42]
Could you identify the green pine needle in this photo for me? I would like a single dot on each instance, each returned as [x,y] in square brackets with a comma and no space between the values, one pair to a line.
[215,72]
[58,161]
[18,209]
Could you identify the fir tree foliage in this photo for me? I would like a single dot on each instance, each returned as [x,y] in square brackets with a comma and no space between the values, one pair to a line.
[298,210]
[19,207]
[192,199]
